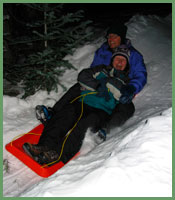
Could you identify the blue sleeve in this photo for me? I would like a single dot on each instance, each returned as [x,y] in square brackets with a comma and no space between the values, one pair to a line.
[138,73]
[95,62]
[102,56]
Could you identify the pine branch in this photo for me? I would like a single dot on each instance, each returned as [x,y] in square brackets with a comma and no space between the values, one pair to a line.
[48,41]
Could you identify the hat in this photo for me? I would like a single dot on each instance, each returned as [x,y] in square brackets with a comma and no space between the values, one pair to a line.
[122,50]
[119,29]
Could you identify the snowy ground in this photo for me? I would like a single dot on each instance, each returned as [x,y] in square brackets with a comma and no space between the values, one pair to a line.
[136,159]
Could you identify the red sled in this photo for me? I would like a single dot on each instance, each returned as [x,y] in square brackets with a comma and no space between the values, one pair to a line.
[16,148]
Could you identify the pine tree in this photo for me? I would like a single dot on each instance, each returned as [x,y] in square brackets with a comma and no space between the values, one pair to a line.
[45,43]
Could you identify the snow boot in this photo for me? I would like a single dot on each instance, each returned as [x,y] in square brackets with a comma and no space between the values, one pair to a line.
[47,157]
[33,149]
[43,113]
[100,136]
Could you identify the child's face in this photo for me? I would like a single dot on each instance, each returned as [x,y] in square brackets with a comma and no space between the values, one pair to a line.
[119,62]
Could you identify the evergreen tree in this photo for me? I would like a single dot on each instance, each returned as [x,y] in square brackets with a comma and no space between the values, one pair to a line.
[46,42]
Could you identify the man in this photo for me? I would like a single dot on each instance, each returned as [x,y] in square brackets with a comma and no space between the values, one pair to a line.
[100,88]
[116,38]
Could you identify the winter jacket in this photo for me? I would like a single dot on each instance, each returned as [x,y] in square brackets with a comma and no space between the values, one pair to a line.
[137,74]
[90,78]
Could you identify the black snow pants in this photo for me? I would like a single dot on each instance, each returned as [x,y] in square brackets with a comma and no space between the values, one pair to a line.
[59,125]
[120,115]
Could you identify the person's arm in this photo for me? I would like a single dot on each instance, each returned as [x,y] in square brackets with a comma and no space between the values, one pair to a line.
[114,85]
[138,73]
[102,56]
[87,77]
[96,59]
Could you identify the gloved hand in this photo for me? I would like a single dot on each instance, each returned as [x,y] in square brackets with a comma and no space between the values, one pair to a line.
[127,92]
[102,90]
[119,74]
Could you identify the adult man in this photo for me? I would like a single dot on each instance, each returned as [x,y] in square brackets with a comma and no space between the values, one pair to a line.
[116,38]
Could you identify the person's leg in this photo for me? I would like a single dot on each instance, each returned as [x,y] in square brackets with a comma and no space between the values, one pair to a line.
[44,113]
[121,114]
[92,118]
[59,125]
[66,99]
[54,132]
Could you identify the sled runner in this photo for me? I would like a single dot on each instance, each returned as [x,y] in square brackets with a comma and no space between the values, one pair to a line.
[16,148]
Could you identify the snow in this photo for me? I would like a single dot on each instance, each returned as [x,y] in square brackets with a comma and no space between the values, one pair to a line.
[136,159]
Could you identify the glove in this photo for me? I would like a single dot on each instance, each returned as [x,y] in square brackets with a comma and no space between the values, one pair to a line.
[119,73]
[103,90]
[127,92]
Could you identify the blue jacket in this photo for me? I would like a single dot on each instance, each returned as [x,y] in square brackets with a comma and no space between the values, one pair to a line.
[137,73]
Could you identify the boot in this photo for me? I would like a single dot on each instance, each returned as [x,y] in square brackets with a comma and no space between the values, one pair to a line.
[47,157]
[100,136]
[43,113]
[34,149]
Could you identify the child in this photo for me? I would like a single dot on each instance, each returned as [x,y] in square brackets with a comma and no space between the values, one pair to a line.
[101,90]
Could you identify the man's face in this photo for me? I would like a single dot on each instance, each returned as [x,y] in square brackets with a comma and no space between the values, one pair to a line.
[114,40]
[119,62]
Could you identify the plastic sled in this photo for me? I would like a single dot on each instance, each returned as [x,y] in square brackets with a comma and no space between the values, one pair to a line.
[16,149]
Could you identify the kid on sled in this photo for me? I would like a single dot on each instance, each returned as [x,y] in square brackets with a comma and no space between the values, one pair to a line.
[102,88]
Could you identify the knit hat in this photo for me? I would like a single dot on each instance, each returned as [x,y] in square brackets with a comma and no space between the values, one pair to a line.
[122,50]
[119,29]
